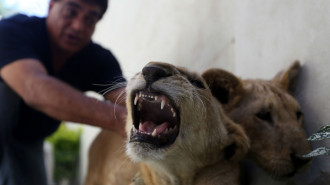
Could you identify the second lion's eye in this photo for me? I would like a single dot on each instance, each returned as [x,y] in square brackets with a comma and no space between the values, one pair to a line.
[197,83]
[299,114]
[265,115]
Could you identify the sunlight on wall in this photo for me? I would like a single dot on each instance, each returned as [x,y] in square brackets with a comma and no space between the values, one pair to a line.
[29,7]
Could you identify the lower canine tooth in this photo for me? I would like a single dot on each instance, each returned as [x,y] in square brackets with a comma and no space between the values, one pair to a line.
[154,133]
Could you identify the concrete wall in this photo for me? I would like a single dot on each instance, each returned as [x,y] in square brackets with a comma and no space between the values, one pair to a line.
[251,38]
[270,35]
[186,32]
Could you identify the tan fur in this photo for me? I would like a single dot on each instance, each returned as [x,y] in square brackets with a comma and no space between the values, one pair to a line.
[270,115]
[108,162]
[206,150]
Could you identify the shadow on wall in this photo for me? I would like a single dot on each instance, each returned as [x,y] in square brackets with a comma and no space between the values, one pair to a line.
[317,174]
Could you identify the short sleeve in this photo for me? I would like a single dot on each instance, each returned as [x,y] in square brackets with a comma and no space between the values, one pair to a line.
[109,71]
[14,42]
[92,69]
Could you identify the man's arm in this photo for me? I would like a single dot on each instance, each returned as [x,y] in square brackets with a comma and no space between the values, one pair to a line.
[117,96]
[30,80]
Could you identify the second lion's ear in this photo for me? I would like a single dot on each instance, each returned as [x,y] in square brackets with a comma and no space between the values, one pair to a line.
[225,86]
[287,79]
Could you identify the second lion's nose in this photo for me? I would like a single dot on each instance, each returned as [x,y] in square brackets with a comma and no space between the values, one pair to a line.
[152,73]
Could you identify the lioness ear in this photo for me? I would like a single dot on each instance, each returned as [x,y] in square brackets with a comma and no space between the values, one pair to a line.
[288,79]
[224,86]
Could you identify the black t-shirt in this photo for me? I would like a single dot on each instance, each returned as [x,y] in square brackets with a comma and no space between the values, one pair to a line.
[91,68]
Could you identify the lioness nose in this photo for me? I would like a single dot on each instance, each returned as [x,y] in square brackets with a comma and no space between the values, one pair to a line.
[153,73]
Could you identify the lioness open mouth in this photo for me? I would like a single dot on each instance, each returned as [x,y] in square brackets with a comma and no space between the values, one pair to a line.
[155,119]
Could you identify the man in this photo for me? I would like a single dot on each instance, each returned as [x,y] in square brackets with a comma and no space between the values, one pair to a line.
[45,65]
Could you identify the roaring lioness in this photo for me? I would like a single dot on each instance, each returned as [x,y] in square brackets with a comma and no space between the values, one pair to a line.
[177,135]
[270,115]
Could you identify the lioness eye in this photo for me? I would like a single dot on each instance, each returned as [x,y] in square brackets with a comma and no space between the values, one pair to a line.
[197,83]
[265,115]
[299,114]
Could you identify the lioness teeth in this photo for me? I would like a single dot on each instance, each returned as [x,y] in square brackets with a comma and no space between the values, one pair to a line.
[149,120]
[140,94]
[154,133]
[137,96]
[162,104]
[174,114]
[162,101]
[136,99]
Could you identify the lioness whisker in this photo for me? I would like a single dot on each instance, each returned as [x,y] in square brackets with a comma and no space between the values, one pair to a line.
[113,87]
[202,103]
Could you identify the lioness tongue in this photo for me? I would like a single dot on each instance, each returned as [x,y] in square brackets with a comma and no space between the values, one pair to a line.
[149,127]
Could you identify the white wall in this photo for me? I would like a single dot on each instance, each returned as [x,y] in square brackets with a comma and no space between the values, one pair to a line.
[193,32]
[251,38]
[270,35]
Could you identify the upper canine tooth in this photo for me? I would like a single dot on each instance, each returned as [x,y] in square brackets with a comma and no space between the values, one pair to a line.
[136,99]
[162,104]
[154,133]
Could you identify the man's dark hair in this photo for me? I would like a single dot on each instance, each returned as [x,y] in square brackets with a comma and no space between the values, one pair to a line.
[102,3]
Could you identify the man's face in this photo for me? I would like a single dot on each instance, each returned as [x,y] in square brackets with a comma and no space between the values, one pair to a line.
[71,23]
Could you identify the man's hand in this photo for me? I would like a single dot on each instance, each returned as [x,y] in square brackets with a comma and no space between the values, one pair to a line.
[118,97]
